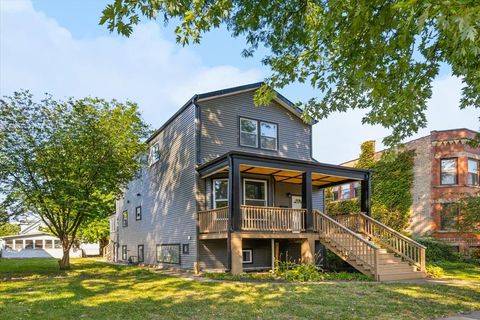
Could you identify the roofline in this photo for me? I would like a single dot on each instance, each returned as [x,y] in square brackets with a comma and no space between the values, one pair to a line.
[233,90]
[416,139]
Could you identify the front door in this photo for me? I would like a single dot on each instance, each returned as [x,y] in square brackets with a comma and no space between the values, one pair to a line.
[297,216]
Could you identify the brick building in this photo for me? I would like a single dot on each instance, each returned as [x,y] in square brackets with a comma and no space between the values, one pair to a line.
[446,168]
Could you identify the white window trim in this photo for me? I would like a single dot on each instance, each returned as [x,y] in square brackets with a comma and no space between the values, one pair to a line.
[276,135]
[213,191]
[250,251]
[257,129]
[137,217]
[349,191]
[152,161]
[473,172]
[255,180]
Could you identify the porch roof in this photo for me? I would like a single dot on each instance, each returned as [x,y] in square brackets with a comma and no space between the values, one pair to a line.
[284,169]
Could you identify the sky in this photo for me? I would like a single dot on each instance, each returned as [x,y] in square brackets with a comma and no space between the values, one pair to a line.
[57,46]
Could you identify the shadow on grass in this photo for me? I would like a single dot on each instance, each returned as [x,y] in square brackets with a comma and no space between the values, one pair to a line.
[93,290]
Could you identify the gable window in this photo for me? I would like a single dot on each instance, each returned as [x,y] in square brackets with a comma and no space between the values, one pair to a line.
[247,256]
[168,253]
[472,178]
[268,136]
[138,213]
[220,193]
[154,153]
[124,252]
[255,192]
[140,254]
[248,132]
[125,218]
[449,216]
[356,189]
[448,171]
[345,191]
[335,193]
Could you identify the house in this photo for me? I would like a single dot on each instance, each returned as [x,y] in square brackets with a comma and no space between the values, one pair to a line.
[234,187]
[32,242]
[446,169]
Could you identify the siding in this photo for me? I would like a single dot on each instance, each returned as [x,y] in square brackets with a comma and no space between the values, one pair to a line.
[212,254]
[167,193]
[220,128]
[262,253]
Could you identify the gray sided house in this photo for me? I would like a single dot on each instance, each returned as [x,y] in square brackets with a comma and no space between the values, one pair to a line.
[234,187]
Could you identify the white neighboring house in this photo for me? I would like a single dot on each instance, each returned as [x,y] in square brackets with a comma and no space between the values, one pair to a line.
[31,242]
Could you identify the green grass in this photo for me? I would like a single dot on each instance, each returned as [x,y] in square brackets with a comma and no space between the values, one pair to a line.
[94,290]
[263,276]
[458,270]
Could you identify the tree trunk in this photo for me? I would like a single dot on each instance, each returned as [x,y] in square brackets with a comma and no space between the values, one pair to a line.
[102,244]
[64,263]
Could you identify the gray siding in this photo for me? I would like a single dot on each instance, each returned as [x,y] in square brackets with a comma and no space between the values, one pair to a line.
[261,251]
[212,254]
[167,193]
[220,128]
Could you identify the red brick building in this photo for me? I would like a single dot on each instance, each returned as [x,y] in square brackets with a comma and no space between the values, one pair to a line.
[446,168]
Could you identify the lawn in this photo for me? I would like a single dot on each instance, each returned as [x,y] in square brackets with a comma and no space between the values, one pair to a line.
[95,290]
[459,270]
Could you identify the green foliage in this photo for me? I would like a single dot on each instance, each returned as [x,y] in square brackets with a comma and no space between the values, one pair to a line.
[95,230]
[66,160]
[469,213]
[342,206]
[377,55]
[435,271]
[367,155]
[9,229]
[438,250]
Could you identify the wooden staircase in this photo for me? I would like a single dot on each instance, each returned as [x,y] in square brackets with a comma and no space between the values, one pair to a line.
[371,247]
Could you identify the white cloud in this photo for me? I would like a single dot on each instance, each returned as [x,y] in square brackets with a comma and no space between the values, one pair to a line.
[40,55]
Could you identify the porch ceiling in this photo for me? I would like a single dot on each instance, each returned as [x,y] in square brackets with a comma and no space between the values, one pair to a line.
[292,176]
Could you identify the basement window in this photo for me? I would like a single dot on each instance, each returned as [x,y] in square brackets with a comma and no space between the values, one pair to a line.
[247,256]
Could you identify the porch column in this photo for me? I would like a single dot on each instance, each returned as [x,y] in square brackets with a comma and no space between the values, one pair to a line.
[365,199]
[235,187]
[236,253]
[308,249]
[307,198]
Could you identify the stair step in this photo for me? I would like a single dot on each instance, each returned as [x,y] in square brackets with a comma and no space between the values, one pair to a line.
[401,276]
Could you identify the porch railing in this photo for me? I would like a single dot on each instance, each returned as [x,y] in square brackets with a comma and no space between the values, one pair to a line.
[403,246]
[213,221]
[272,219]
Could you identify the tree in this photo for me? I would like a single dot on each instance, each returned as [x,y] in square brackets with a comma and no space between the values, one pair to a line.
[377,55]
[97,230]
[65,160]
[9,229]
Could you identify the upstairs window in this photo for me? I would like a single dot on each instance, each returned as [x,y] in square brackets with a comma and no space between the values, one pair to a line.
[154,153]
[335,193]
[125,218]
[448,171]
[138,213]
[268,136]
[248,133]
[473,178]
[345,191]
[220,193]
[356,189]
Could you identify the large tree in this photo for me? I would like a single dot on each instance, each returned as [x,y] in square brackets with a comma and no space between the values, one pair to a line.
[377,55]
[63,160]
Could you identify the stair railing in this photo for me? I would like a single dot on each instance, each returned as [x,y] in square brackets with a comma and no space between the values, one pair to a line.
[350,245]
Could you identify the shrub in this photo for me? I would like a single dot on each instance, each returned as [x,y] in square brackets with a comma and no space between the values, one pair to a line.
[435,271]
[438,250]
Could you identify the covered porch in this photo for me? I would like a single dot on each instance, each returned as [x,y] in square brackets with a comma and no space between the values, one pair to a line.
[250,196]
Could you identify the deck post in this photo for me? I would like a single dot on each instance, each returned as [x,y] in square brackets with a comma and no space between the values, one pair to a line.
[235,186]
[308,249]
[365,200]
[236,253]
[307,199]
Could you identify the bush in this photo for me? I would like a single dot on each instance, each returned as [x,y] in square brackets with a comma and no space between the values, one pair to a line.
[438,250]
[435,271]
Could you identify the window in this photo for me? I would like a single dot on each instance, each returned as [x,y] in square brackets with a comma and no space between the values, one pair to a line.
[220,193]
[345,191]
[56,244]
[247,256]
[335,193]
[124,252]
[18,244]
[140,253]
[255,192]
[472,178]
[154,153]
[168,253]
[185,248]
[48,244]
[268,136]
[38,244]
[449,216]
[125,218]
[138,213]
[248,132]
[28,244]
[356,186]
[448,171]
[8,244]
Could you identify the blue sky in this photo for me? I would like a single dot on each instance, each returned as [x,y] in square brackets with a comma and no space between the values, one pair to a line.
[58,47]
